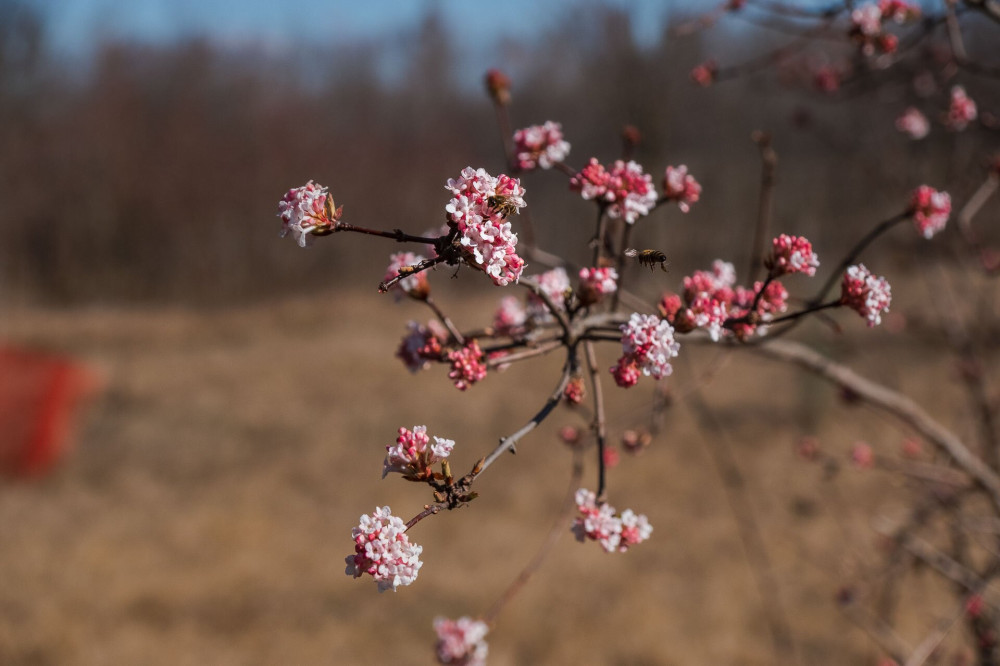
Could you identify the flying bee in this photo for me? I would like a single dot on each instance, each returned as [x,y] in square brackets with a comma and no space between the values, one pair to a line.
[502,204]
[649,258]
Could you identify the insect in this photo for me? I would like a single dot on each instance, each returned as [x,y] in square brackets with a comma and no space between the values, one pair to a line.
[502,204]
[649,258]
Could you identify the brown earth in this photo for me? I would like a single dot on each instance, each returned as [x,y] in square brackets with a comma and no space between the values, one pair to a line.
[205,515]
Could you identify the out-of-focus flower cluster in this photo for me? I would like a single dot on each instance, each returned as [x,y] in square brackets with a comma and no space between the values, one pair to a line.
[382,550]
[961,111]
[420,346]
[596,283]
[868,24]
[414,455]
[866,294]
[461,642]
[625,190]
[467,365]
[680,186]
[540,146]
[930,209]
[414,285]
[479,208]
[601,523]
[648,344]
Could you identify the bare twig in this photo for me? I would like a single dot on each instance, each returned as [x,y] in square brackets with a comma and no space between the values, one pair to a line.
[765,204]
[599,425]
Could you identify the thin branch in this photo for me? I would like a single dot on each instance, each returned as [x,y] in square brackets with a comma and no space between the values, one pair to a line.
[455,333]
[600,422]
[765,203]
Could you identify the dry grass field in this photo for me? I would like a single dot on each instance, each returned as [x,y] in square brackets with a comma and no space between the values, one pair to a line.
[205,513]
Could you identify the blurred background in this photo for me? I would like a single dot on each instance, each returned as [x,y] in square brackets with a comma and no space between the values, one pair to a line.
[233,393]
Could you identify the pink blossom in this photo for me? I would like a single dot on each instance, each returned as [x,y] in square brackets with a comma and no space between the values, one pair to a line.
[555,285]
[479,208]
[510,316]
[415,285]
[462,641]
[792,254]
[867,20]
[305,212]
[705,73]
[772,301]
[648,342]
[419,347]
[569,435]
[498,86]
[595,283]
[669,305]
[899,11]
[961,111]
[626,372]
[866,294]
[467,365]
[681,187]
[862,455]
[412,457]
[600,523]
[625,190]
[827,79]
[930,209]
[382,550]
[540,146]
[611,457]
[913,123]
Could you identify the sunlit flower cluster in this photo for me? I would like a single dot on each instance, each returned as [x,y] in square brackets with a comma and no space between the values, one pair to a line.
[647,346]
[792,254]
[555,285]
[419,347]
[680,186]
[462,641]
[868,295]
[625,189]
[601,523]
[479,207]
[540,146]
[382,550]
[961,109]
[510,316]
[913,123]
[413,455]
[304,213]
[415,285]
[467,366]
[930,209]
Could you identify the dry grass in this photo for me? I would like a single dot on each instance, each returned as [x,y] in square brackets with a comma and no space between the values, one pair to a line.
[205,515]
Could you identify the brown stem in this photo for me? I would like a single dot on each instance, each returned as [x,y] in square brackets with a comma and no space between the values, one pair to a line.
[599,425]
[541,350]
[396,234]
[455,333]
[422,266]
[765,203]
[429,510]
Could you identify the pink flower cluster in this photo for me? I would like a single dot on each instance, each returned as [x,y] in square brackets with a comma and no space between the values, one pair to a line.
[681,187]
[412,457]
[913,123]
[705,73]
[961,110]
[596,283]
[467,366]
[866,28]
[479,207]
[647,346]
[510,316]
[899,11]
[555,285]
[382,550]
[866,294]
[304,213]
[415,285]
[615,533]
[792,254]
[710,300]
[462,641]
[540,146]
[627,191]
[930,209]
[420,346]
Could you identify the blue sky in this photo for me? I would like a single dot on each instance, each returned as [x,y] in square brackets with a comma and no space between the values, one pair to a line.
[74,26]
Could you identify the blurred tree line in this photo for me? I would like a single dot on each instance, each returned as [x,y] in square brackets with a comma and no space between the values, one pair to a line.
[154,174]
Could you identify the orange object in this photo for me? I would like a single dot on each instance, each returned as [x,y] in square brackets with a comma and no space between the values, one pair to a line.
[40,396]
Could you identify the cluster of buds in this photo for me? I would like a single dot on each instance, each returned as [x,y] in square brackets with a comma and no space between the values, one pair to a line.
[961,110]
[467,366]
[625,190]
[382,550]
[601,523]
[540,146]
[413,456]
[648,344]
[705,74]
[792,254]
[462,641]
[868,295]
[680,186]
[868,25]
[421,346]
[930,210]
[596,283]
[913,123]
